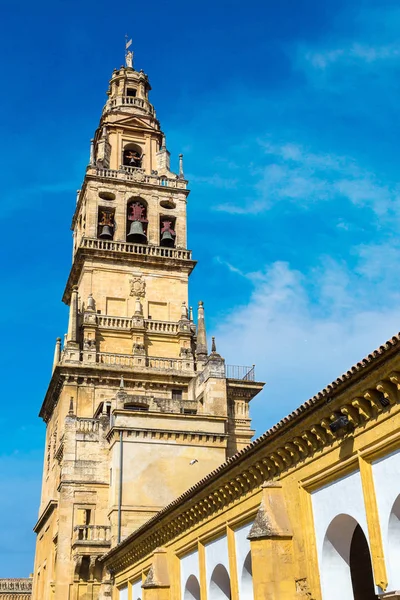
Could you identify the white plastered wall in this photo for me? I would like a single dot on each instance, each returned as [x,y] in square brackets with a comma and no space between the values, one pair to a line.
[137,589]
[123,593]
[242,545]
[386,473]
[341,497]
[216,554]
[189,566]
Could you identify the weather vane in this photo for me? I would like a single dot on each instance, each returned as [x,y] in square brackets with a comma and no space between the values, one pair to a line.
[128,53]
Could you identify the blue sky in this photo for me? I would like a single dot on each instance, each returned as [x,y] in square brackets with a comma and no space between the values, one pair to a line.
[287,114]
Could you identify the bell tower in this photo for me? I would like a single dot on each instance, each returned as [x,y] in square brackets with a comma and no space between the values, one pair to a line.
[137,409]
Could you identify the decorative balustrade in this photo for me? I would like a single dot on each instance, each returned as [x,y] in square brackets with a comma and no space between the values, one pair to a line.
[92,534]
[152,362]
[130,101]
[114,322]
[109,322]
[126,173]
[161,326]
[87,425]
[21,586]
[115,246]
[117,360]
[240,372]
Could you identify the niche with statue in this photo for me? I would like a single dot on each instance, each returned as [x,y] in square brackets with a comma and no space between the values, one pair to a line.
[167,231]
[105,224]
[137,222]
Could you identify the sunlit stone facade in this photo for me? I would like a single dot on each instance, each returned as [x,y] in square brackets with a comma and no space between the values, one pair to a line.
[137,409]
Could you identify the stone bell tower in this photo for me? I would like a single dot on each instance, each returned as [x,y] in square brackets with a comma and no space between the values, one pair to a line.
[137,410]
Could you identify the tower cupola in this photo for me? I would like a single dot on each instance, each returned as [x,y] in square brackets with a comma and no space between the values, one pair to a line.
[128,92]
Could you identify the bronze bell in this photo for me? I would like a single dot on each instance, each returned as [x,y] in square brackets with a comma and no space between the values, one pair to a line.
[167,239]
[106,233]
[136,233]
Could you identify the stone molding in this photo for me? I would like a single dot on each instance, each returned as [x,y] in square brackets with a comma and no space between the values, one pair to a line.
[45,515]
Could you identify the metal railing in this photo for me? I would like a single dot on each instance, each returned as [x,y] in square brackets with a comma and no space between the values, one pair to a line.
[240,372]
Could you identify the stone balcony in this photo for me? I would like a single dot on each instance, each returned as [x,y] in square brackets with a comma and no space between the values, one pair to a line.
[129,102]
[125,323]
[137,175]
[91,535]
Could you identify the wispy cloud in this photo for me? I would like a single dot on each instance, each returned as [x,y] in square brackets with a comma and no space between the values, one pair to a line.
[294,173]
[355,53]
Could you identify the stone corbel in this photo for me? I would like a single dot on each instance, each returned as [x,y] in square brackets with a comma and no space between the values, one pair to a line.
[77,568]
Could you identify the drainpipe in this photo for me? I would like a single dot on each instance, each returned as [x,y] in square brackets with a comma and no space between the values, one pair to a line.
[121,456]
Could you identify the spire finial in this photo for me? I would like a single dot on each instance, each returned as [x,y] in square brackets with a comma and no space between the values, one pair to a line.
[201,348]
[181,175]
[128,53]
[213,345]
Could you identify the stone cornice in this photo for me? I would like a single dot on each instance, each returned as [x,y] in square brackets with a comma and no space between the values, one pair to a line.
[169,435]
[295,439]
[82,254]
[52,504]
[74,372]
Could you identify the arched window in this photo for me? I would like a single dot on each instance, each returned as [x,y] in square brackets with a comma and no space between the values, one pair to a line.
[220,584]
[192,589]
[246,580]
[132,156]
[346,570]
[136,217]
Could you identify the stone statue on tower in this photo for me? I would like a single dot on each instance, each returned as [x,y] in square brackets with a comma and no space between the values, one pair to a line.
[128,53]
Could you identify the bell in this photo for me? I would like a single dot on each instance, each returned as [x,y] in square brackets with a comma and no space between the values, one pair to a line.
[106,233]
[136,233]
[167,239]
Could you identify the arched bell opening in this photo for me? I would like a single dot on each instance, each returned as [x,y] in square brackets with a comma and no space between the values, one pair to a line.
[105,223]
[394,544]
[192,589]
[137,221]
[167,231]
[246,580]
[346,569]
[132,156]
[220,584]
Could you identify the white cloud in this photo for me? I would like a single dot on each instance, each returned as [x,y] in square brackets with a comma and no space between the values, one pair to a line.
[353,54]
[304,331]
[293,173]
